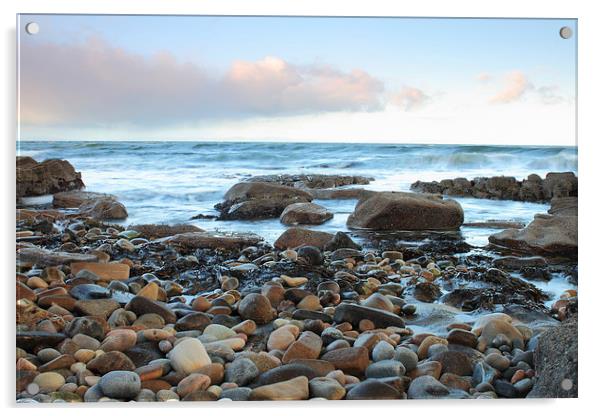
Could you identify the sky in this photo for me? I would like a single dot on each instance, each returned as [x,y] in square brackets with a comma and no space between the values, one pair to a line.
[406,80]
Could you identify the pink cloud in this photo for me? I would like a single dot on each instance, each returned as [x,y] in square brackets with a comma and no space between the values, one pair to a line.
[515,86]
[410,98]
[99,84]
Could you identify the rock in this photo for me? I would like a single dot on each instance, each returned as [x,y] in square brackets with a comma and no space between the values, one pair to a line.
[111,361]
[546,235]
[257,308]
[327,388]
[560,184]
[497,361]
[87,325]
[406,211]
[383,351]
[310,255]
[287,372]
[44,178]
[462,337]
[237,394]
[43,257]
[341,240]
[427,387]
[385,368]
[104,209]
[348,312]
[196,321]
[496,327]
[282,338]
[505,389]
[105,271]
[379,301]
[296,237]
[188,356]
[98,307]
[154,231]
[62,361]
[119,340]
[49,381]
[532,189]
[407,357]
[120,384]
[28,340]
[312,181]
[212,240]
[308,346]
[353,360]
[454,362]
[294,389]
[373,390]
[192,383]
[564,206]
[241,371]
[517,263]
[141,306]
[305,213]
[256,200]
[556,362]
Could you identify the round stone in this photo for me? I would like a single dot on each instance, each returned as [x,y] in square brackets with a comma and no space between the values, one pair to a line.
[120,384]
[257,308]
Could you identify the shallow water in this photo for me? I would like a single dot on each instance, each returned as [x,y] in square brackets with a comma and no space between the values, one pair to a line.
[169,182]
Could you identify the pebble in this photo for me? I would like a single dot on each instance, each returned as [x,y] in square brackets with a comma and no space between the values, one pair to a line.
[308,345]
[120,384]
[294,389]
[383,351]
[192,383]
[372,389]
[188,356]
[257,308]
[407,357]
[426,387]
[385,368]
[353,360]
[282,338]
[49,381]
[327,388]
[497,361]
[241,371]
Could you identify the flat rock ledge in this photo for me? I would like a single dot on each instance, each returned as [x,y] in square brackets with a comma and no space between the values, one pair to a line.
[532,189]
[550,235]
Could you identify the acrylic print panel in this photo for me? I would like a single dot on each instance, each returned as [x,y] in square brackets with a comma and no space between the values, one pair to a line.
[287,208]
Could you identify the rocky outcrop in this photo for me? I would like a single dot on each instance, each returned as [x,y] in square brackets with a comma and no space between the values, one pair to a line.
[91,204]
[532,189]
[406,211]
[555,362]
[45,178]
[313,181]
[553,234]
[153,231]
[305,213]
[257,200]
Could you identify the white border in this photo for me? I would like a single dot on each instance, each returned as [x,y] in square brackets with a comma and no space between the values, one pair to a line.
[590,91]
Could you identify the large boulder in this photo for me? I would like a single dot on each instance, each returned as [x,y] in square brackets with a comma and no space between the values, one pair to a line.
[257,200]
[305,213]
[47,177]
[555,362]
[406,211]
[547,234]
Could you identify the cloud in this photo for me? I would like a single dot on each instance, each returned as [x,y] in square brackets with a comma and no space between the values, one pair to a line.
[94,83]
[515,86]
[484,77]
[410,98]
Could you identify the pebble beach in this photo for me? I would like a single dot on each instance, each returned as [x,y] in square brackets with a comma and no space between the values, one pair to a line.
[393,303]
